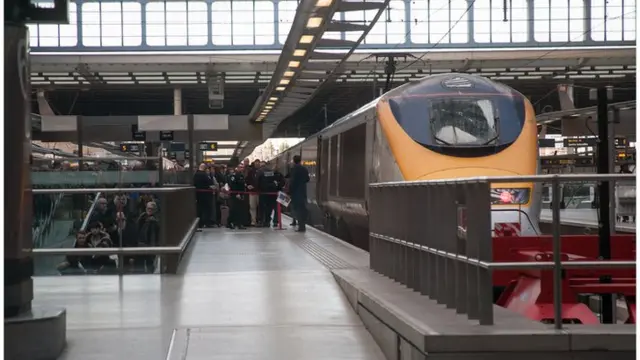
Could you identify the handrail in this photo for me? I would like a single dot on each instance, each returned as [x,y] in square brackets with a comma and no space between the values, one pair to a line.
[85,223]
[146,250]
[110,190]
[521,265]
[513,179]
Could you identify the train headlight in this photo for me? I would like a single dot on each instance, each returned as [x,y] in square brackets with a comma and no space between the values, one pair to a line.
[510,196]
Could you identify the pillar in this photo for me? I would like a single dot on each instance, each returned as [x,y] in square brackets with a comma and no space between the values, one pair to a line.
[28,334]
[177,101]
[18,265]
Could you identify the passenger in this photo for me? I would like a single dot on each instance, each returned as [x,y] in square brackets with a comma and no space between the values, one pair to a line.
[98,238]
[75,262]
[287,179]
[236,183]
[202,182]
[214,197]
[298,192]
[244,170]
[269,183]
[148,235]
[105,214]
[220,178]
[252,187]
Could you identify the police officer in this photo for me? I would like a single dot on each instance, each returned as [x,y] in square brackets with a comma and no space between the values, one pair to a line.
[269,183]
[236,183]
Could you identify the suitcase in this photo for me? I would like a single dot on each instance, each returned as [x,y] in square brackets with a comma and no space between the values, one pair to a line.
[224,215]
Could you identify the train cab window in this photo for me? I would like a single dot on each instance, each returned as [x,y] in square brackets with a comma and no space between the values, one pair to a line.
[459,124]
[460,121]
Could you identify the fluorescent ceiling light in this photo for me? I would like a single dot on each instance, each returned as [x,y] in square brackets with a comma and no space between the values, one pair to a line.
[299,52]
[280,88]
[284,82]
[314,22]
[268,107]
[306,39]
[274,98]
[270,103]
[324,3]
[294,64]
[289,73]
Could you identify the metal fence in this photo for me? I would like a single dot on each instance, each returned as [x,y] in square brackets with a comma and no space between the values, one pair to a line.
[414,239]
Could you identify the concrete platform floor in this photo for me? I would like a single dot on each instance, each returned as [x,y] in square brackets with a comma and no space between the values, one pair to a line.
[252,294]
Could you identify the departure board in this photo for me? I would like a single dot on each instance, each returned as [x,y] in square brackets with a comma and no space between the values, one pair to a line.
[129,147]
[137,135]
[580,142]
[208,146]
[620,142]
[166,135]
[565,161]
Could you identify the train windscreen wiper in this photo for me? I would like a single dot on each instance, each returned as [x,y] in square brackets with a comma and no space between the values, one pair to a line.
[496,122]
[434,133]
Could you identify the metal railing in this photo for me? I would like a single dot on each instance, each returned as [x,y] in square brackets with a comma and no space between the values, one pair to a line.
[175,238]
[87,218]
[414,239]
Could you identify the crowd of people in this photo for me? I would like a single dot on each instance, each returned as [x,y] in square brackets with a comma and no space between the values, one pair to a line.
[233,196]
[246,195]
[127,220]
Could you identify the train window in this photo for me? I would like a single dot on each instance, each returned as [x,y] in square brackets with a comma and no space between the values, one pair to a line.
[333,166]
[352,160]
[462,121]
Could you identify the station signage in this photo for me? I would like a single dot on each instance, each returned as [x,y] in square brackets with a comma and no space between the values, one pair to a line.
[130,147]
[166,135]
[137,135]
[580,142]
[208,146]
[566,161]
[620,143]
[547,143]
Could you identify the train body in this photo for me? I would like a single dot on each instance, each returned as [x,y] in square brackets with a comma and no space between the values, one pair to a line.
[439,127]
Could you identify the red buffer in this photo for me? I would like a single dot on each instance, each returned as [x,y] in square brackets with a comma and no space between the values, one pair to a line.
[530,292]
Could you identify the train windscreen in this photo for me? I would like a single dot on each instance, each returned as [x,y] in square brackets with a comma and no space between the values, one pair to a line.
[464,121]
[461,125]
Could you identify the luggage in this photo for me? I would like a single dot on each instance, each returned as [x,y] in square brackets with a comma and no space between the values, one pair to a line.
[224,215]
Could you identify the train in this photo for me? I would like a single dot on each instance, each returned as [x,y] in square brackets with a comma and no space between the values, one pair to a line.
[441,126]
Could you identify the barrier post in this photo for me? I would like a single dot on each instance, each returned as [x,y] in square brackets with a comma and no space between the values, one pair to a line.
[279,213]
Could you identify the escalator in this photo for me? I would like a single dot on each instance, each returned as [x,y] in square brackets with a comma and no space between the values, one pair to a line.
[70,214]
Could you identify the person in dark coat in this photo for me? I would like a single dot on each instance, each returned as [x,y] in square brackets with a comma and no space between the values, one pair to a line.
[204,195]
[148,235]
[299,177]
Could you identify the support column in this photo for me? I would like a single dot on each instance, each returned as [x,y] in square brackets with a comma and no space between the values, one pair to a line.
[18,265]
[28,334]
[177,110]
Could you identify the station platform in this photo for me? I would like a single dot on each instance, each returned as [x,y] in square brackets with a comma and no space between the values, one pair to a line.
[242,294]
[277,294]
[583,218]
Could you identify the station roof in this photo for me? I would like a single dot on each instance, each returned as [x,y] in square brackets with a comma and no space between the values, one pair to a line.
[143,83]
